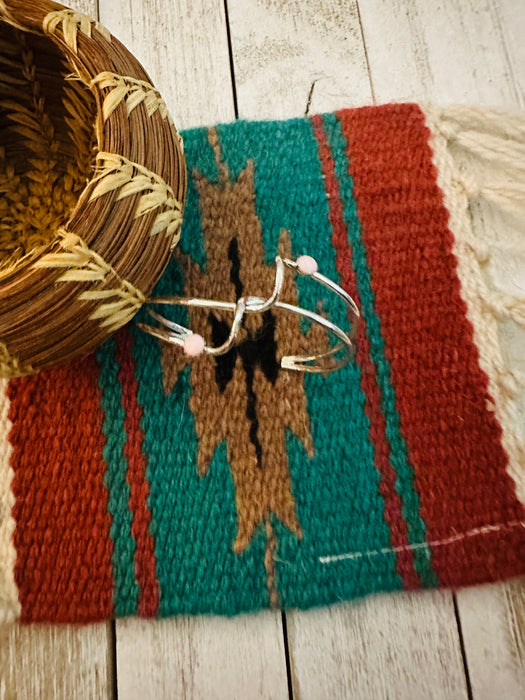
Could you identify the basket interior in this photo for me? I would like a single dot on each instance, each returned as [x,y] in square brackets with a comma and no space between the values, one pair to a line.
[47,144]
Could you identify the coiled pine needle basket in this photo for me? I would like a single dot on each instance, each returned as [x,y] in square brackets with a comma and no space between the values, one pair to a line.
[92,185]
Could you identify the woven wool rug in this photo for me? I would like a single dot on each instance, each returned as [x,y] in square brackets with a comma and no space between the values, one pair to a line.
[140,482]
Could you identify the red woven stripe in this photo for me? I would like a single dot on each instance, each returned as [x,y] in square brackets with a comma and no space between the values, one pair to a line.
[136,476]
[369,386]
[453,440]
[63,569]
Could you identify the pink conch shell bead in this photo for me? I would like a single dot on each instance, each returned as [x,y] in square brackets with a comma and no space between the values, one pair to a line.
[193,344]
[307,265]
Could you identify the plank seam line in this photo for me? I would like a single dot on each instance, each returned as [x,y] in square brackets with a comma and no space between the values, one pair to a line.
[370,81]
[476,532]
[114,660]
[462,648]
[289,679]
[231,59]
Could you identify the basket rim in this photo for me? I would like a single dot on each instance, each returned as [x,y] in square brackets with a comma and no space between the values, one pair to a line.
[97,60]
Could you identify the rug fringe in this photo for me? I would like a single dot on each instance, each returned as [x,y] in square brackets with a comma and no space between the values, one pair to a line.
[508,125]
[480,157]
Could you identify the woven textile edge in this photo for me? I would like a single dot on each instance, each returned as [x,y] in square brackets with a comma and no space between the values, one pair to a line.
[9,603]
[476,294]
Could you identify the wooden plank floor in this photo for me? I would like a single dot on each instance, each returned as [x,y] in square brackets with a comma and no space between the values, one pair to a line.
[215,60]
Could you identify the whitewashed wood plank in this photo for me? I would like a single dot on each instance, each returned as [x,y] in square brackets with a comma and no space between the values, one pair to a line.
[297,56]
[446,52]
[493,626]
[213,658]
[388,646]
[277,47]
[62,662]
[183,45]
[88,7]
[51,661]
[316,672]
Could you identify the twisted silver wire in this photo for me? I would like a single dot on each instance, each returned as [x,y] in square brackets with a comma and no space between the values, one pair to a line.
[321,362]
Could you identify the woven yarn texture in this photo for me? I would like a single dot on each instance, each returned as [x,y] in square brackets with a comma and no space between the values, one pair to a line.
[143,482]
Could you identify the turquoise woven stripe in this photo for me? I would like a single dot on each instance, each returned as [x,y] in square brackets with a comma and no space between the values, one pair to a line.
[337,492]
[126,590]
[194,519]
[399,454]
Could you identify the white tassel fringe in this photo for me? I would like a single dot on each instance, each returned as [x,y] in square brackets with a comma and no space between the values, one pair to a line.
[480,157]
